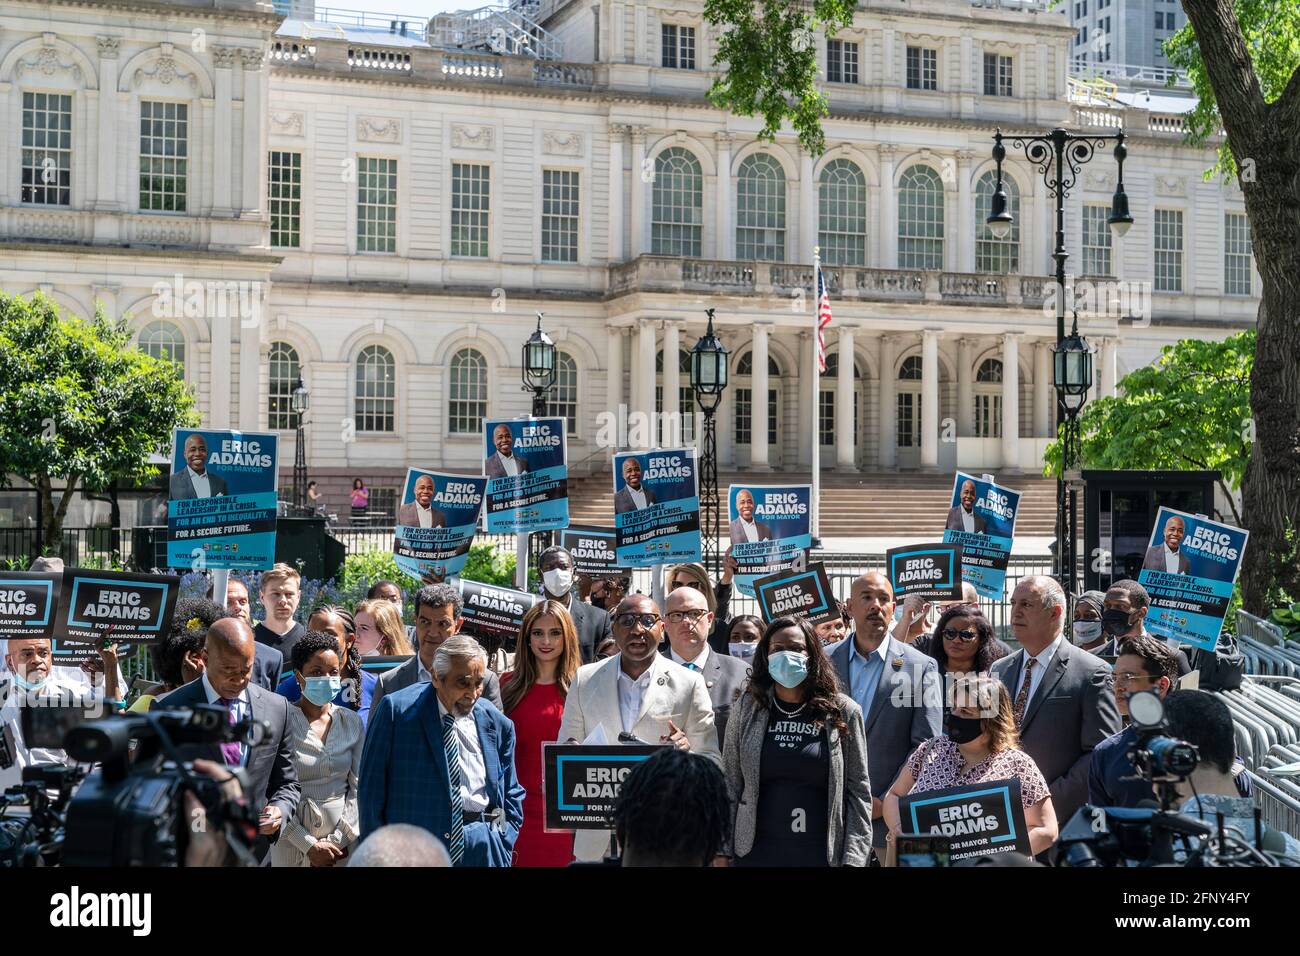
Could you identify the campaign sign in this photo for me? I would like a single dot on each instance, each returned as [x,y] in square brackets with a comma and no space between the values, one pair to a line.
[74,655]
[436,522]
[804,594]
[593,551]
[28,600]
[982,519]
[492,613]
[770,530]
[221,501]
[930,571]
[581,784]
[1189,569]
[528,475]
[126,607]
[656,507]
[981,819]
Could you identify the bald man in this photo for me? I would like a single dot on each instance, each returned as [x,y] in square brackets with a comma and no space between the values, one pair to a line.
[745,528]
[963,517]
[1169,557]
[30,673]
[226,682]
[505,462]
[194,480]
[420,513]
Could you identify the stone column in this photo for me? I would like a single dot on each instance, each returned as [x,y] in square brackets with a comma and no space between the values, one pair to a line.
[106,197]
[965,214]
[250,363]
[672,430]
[807,211]
[643,381]
[614,378]
[888,232]
[965,387]
[888,450]
[223,140]
[846,436]
[1108,376]
[640,184]
[1043,394]
[758,459]
[809,386]
[220,367]
[726,245]
[1011,400]
[254,153]
[930,398]
[617,133]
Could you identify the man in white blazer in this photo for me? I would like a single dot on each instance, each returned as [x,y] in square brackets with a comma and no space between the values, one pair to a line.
[638,692]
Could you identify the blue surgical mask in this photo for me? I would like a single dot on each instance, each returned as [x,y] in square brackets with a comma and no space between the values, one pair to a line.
[898,613]
[788,668]
[321,690]
[742,650]
[24,684]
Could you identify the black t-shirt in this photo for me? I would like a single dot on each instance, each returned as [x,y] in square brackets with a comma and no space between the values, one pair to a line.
[283,644]
[793,794]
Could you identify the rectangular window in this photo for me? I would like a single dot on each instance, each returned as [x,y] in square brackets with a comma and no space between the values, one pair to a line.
[909,420]
[988,416]
[922,68]
[376,204]
[1236,254]
[164,155]
[841,61]
[560,203]
[678,47]
[1169,250]
[826,415]
[1096,240]
[284,198]
[47,149]
[997,75]
[743,432]
[471,208]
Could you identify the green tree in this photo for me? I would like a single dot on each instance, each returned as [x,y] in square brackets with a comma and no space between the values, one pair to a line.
[1190,410]
[79,404]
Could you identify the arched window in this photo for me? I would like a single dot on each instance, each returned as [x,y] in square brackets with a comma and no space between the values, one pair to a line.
[760,209]
[285,369]
[988,399]
[910,370]
[467,392]
[676,224]
[685,398]
[920,219]
[842,221]
[908,404]
[376,395]
[742,432]
[563,400]
[826,398]
[745,366]
[162,340]
[992,254]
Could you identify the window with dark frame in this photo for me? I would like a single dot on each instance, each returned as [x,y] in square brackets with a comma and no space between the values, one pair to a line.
[997,75]
[841,61]
[47,149]
[677,47]
[284,198]
[922,68]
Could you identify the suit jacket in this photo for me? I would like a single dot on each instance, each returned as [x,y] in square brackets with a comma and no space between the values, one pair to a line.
[268,664]
[493,468]
[674,693]
[408,674]
[623,500]
[725,678]
[848,831]
[1071,712]
[895,728]
[592,624]
[955,524]
[404,775]
[181,486]
[409,514]
[1155,559]
[738,531]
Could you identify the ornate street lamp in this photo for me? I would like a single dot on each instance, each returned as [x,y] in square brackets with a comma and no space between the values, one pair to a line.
[709,381]
[539,367]
[299,402]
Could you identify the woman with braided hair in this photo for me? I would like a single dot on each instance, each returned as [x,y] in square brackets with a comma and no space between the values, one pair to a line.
[358,685]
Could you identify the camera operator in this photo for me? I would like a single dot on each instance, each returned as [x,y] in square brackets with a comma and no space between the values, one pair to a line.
[1204,721]
[1144,663]
[32,675]
[228,655]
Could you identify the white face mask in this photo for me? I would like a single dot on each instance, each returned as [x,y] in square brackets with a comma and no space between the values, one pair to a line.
[558,581]
[1085,632]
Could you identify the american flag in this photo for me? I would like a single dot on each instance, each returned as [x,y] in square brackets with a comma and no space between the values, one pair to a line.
[823,317]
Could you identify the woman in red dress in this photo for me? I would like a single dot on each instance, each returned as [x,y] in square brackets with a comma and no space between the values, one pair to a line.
[532,696]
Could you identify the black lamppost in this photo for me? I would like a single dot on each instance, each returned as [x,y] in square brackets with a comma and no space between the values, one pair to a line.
[299,402]
[1059,156]
[539,367]
[708,381]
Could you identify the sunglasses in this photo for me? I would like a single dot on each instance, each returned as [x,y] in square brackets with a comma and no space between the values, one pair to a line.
[692,583]
[628,619]
[952,634]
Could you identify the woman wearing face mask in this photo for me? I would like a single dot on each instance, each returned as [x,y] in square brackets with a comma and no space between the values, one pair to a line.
[358,685]
[980,745]
[743,635]
[380,630]
[532,696]
[1086,630]
[327,742]
[796,759]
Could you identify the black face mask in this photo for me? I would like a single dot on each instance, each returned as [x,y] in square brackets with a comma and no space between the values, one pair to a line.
[962,730]
[1115,622]
[598,602]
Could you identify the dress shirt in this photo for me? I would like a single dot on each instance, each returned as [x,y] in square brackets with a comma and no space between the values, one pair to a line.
[750,529]
[638,496]
[473,772]
[425,515]
[422,673]
[69,692]
[202,486]
[629,697]
[243,707]
[967,520]
[864,672]
[1044,658]
[510,465]
[1171,560]
[699,661]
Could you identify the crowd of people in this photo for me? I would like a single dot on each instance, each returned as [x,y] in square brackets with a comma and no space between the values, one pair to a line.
[786,744]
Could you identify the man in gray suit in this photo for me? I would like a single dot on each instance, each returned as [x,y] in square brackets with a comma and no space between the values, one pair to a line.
[745,528]
[689,623]
[1167,557]
[963,516]
[632,497]
[418,513]
[592,624]
[195,481]
[505,462]
[1062,696]
[437,617]
[897,687]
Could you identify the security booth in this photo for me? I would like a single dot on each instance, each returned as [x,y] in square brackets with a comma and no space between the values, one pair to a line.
[1120,510]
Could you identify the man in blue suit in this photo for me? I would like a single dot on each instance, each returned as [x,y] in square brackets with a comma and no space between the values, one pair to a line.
[439,757]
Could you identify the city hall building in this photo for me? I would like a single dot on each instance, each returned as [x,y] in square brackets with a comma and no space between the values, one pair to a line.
[381,206]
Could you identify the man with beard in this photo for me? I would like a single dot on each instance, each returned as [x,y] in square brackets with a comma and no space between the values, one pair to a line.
[963,516]
[632,497]
[1123,617]
[418,513]
[505,462]
[745,528]
[195,481]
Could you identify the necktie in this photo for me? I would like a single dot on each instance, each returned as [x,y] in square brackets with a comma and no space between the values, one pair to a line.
[456,849]
[692,666]
[1022,699]
[231,751]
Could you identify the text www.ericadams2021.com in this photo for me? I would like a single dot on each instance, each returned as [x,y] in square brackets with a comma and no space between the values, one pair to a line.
[1203,923]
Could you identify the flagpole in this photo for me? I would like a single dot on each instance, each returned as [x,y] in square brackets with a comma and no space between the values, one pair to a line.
[816,395]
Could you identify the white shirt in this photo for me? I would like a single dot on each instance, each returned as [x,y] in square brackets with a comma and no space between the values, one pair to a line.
[425,515]
[638,496]
[510,464]
[968,520]
[630,693]
[1043,658]
[12,729]
[243,707]
[473,772]
[1171,560]
[424,677]
[202,486]
[699,662]
[750,529]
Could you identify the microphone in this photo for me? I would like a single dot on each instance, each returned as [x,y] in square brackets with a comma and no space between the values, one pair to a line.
[627,738]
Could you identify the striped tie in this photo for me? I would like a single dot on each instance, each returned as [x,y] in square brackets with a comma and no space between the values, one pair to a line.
[456,849]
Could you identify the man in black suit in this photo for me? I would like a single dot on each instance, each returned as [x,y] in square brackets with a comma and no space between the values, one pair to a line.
[689,622]
[196,481]
[632,497]
[228,655]
[1168,558]
[745,528]
[505,462]
[591,623]
[963,516]
[418,513]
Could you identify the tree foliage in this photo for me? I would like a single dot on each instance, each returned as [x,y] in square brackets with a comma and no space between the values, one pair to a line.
[80,404]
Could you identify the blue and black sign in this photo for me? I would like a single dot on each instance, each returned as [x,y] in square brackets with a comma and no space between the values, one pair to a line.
[657,507]
[526,467]
[929,571]
[436,522]
[979,819]
[805,594]
[593,551]
[28,602]
[770,530]
[982,519]
[581,784]
[119,605]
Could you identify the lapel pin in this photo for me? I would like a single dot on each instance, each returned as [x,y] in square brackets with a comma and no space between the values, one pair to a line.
[898,662]
[708,683]
[662,681]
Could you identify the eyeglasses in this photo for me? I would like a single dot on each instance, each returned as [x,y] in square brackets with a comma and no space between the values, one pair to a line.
[676,617]
[1124,678]
[952,634]
[628,619]
[690,583]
